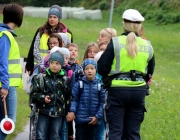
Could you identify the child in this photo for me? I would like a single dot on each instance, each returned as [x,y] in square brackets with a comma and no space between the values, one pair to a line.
[74,64]
[91,50]
[71,80]
[73,49]
[50,92]
[87,102]
[54,40]
[100,129]
[106,34]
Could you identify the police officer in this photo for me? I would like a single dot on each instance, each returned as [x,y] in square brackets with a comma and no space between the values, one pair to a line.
[127,63]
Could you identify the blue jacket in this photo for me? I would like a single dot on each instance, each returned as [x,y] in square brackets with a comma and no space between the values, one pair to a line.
[88,101]
[4,53]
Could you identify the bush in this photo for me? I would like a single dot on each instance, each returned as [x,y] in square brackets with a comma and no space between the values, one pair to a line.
[103,5]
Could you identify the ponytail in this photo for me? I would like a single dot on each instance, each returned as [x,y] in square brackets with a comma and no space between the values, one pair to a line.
[132,48]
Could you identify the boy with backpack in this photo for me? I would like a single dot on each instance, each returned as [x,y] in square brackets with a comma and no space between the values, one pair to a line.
[87,102]
[51,93]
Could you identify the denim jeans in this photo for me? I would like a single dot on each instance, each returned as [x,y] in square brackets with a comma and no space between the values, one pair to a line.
[63,130]
[85,131]
[47,124]
[100,131]
[11,104]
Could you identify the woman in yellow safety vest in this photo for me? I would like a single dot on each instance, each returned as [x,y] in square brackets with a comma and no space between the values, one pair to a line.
[10,68]
[126,66]
[39,48]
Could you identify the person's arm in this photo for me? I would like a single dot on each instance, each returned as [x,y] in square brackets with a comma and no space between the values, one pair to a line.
[75,97]
[106,60]
[150,68]
[4,53]
[36,52]
[4,75]
[30,58]
[74,101]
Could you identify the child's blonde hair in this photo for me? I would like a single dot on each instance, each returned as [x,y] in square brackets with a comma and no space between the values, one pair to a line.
[73,45]
[109,32]
[89,46]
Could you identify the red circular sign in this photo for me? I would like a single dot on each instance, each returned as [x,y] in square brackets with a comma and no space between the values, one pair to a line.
[7,125]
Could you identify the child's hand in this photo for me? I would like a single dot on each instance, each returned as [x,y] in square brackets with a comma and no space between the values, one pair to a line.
[70,116]
[93,121]
[47,99]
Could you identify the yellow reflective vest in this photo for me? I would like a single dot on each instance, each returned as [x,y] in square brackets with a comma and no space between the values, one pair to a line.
[14,66]
[43,44]
[122,63]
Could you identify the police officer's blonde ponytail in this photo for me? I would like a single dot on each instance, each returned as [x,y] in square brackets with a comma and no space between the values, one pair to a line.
[132,48]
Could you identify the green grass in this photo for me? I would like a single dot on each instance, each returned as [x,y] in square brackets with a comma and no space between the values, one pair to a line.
[163,114]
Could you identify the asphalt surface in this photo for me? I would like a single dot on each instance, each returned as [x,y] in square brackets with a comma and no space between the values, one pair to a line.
[23,135]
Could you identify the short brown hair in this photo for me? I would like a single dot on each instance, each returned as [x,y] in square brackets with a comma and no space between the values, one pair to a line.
[13,13]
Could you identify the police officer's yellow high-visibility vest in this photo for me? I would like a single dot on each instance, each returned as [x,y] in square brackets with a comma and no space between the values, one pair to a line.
[14,66]
[43,43]
[122,63]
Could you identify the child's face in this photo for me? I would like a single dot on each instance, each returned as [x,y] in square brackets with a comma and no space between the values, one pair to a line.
[53,42]
[66,59]
[102,47]
[92,52]
[55,66]
[103,38]
[73,52]
[90,72]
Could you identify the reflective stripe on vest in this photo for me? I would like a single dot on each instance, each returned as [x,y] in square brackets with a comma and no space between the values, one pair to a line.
[116,67]
[14,66]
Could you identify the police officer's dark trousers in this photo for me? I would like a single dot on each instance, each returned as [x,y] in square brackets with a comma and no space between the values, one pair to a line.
[124,109]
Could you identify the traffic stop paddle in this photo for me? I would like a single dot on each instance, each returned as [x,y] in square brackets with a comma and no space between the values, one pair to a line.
[7,125]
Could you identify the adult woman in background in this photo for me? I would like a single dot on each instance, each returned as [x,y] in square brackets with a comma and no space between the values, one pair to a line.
[39,48]
[126,61]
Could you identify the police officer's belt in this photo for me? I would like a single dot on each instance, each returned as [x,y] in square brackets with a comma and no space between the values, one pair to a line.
[131,76]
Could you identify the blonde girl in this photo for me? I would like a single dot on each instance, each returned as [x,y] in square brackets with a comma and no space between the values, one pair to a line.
[91,50]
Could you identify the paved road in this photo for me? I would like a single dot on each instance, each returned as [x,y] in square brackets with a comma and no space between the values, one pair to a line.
[23,135]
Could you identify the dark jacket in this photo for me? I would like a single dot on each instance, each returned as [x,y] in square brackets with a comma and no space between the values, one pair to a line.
[30,58]
[106,60]
[87,101]
[54,85]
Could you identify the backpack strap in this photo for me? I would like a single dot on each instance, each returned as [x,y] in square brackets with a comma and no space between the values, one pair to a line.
[41,81]
[81,88]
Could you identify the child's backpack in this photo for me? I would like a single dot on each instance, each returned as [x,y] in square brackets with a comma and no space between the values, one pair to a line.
[36,71]
[81,88]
